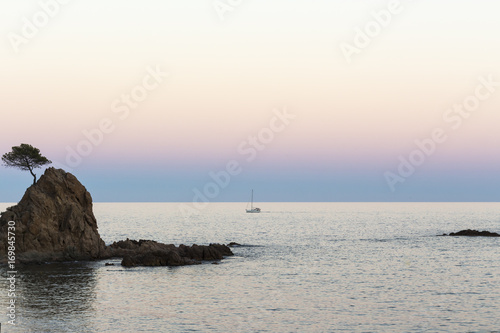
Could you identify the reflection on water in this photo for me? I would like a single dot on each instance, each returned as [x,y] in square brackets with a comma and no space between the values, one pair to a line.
[57,295]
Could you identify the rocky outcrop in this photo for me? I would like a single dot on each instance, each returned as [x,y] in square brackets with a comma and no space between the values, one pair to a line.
[473,233]
[152,253]
[53,222]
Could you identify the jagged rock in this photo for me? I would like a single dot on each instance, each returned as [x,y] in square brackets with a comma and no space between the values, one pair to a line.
[133,247]
[152,253]
[53,222]
[473,233]
[225,250]
[127,261]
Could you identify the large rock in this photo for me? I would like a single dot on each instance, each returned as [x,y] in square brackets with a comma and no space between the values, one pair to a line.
[53,222]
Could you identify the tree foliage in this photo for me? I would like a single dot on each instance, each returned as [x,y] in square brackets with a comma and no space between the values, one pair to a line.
[25,157]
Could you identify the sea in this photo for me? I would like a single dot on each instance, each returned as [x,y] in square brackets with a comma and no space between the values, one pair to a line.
[301,267]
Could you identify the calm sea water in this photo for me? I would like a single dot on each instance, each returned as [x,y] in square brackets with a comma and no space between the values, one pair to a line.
[305,267]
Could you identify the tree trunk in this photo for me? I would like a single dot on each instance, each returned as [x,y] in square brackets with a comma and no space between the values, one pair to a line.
[34,176]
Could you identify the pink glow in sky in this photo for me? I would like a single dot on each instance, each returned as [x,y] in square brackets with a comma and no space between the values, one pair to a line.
[225,77]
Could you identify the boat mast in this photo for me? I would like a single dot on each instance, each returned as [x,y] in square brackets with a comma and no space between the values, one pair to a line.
[251,202]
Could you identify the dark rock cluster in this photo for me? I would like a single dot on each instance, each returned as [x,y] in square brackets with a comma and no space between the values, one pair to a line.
[152,253]
[473,233]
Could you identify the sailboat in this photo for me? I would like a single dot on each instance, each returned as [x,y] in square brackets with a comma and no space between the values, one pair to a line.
[252,208]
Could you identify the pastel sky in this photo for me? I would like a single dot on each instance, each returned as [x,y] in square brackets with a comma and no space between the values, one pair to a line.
[356,83]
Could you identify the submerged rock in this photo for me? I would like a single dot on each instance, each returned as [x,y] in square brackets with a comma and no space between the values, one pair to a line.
[473,233]
[53,222]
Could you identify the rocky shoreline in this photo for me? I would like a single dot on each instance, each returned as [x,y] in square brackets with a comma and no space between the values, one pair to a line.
[54,222]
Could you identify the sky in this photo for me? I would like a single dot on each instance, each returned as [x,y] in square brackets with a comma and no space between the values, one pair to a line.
[201,101]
